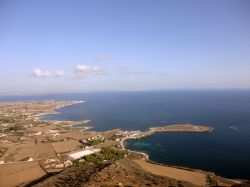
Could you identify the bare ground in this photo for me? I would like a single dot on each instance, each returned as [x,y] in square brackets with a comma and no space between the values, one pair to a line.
[16,174]
[66,146]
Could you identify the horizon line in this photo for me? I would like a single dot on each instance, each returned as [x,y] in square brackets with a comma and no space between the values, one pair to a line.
[4,94]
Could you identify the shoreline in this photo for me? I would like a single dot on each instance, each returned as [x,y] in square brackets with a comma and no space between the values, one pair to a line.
[169,128]
[142,134]
[53,111]
[71,123]
[146,160]
[150,131]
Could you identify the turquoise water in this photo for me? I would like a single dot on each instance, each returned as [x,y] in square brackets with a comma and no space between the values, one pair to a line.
[226,151]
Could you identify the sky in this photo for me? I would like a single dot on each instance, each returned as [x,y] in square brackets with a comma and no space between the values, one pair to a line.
[59,46]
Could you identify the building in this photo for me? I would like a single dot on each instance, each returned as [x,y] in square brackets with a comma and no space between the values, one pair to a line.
[81,153]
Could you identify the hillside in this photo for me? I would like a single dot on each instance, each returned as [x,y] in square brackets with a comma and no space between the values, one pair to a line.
[123,172]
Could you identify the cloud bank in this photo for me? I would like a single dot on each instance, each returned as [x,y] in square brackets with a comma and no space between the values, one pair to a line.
[60,73]
[37,72]
[79,72]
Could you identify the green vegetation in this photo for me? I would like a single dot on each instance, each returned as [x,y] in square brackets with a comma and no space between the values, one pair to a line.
[95,142]
[112,154]
[92,142]
[109,143]
[106,155]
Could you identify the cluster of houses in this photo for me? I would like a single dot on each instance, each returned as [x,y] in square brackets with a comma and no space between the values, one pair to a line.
[130,133]
[55,163]
[98,137]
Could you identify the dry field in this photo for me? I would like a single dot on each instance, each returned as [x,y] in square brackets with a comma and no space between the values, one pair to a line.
[23,151]
[66,146]
[72,135]
[15,174]
[175,173]
[43,127]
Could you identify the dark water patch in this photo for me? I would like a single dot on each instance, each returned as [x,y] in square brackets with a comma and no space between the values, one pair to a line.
[197,150]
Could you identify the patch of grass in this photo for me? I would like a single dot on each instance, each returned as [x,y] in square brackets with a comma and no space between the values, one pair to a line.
[95,142]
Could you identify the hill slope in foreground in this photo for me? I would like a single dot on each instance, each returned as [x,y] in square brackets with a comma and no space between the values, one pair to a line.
[127,172]
[123,172]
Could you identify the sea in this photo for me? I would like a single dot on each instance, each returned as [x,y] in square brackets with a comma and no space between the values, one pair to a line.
[225,151]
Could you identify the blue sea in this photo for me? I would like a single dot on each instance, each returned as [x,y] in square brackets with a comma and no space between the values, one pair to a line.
[225,151]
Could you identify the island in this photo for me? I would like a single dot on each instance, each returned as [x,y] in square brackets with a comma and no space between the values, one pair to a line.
[35,152]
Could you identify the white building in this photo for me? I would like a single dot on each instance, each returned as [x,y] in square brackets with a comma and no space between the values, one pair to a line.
[79,154]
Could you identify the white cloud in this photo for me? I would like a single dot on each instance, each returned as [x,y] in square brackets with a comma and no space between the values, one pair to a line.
[84,69]
[80,72]
[37,72]
[60,73]
[101,58]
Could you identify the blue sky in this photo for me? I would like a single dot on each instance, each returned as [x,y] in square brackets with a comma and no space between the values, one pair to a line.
[49,46]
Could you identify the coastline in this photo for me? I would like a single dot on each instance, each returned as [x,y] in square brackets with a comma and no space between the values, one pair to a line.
[174,171]
[169,128]
[70,122]
[65,134]
[152,130]
[53,111]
